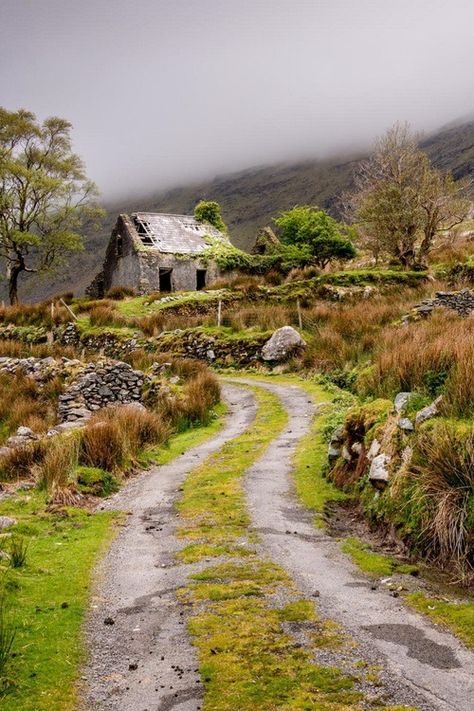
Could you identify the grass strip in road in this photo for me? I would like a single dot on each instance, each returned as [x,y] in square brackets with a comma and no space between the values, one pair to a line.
[247,618]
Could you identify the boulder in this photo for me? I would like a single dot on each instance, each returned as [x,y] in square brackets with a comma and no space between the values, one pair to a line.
[283,344]
[429,411]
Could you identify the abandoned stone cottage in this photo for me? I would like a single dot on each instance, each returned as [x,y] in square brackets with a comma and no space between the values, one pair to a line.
[151,251]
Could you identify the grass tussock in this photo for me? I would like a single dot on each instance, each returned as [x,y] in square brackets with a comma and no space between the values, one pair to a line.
[23,402]
[118,293]
[443,469]
[105,315]
[113,438]
[21,463]
[58,466]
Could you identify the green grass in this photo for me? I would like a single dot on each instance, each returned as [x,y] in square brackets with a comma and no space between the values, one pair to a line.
[47,599]
[49,595]
[458,617]
[374,564]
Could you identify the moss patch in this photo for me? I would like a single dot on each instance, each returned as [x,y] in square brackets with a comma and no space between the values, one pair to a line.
[458,617]
[375,564]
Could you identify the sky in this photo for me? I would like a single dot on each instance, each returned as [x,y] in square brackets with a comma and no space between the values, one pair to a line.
[164,92]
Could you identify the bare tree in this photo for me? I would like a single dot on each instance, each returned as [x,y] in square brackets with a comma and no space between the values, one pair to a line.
[400,202]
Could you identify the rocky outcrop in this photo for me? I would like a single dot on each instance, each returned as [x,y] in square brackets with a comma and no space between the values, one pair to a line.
[283,344]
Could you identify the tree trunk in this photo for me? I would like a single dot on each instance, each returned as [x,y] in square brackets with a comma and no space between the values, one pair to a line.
[15,271]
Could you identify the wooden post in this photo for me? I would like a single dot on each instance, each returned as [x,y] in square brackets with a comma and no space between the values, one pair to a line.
[219,313]
[52,311]
[70,310]
[300,318]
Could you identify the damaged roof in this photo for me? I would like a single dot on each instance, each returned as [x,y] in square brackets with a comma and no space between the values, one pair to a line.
[179,234]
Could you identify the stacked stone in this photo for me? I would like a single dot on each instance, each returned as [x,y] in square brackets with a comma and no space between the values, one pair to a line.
[39,369]
[99,385]
[460,301]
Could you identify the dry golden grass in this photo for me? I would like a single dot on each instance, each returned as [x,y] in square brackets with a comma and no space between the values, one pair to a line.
[106,315]
[115,436]
[439,348]
[58,466]
[444,473]
[35,314]
[23,402]
[117,293]
[202,393]
[21,463]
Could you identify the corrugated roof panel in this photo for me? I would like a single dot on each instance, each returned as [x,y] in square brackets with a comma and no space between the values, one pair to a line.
[179,234]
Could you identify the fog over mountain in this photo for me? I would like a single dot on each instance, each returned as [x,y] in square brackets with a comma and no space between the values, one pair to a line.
[164,92]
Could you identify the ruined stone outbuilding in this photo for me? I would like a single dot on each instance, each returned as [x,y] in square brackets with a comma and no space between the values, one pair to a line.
[158,252]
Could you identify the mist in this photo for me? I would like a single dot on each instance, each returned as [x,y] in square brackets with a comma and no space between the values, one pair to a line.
[165,92]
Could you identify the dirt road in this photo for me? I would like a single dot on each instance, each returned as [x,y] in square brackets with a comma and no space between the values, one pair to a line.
[140,656]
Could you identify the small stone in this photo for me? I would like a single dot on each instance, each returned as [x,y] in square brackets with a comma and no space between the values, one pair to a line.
[406,424]
[401,401]
[109,621]
[7,522]
[378,473]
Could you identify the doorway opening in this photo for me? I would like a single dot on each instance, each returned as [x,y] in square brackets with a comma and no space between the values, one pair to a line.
[200,279]
[165,279]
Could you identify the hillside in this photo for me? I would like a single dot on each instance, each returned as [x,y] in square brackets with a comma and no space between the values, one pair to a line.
[250,199]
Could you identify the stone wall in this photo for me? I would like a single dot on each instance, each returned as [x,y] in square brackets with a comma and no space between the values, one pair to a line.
[99,385]
[460,301]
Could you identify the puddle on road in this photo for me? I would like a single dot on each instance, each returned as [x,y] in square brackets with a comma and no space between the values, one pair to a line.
[419,646]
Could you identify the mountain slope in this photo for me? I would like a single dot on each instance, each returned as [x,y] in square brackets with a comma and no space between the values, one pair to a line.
[251,198]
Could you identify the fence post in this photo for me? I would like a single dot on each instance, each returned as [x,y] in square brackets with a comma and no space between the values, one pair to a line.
[219,313]
[300,318]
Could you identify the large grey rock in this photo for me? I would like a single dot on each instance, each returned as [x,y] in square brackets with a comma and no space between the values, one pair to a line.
[378,473]
[283,344]
[429,411]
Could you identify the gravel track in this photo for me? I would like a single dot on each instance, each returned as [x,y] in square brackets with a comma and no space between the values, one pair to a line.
[143,660]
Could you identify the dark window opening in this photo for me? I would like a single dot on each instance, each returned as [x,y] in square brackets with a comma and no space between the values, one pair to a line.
[165,279]
[119,244]
[200,279]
